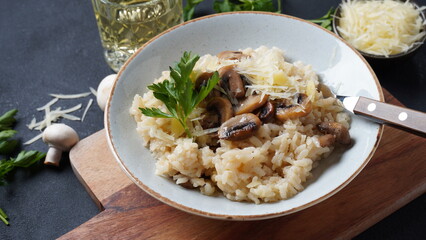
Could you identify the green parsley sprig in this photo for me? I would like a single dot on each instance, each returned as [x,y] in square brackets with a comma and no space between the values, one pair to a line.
[24,159]
[7,146]
[4,217]
[325,21]
[188,10]
[245,5]
[178,94]
[231,6]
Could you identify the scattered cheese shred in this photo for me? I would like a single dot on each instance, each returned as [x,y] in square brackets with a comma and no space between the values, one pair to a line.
[205,132]
[86,109]
[70,117]
[33,139]
[70,96]
[32,124]
[94,92]
[47,105]
[51,116]
[383,27]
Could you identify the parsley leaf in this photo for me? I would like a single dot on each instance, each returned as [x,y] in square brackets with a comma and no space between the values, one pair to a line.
[326,20]
[188,10]
[245,5]
[232,6]
[24,159]
[7,120]
[4,217]
[178,94]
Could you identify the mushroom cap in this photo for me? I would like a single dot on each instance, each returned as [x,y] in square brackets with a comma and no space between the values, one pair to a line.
[239,127]
[104,90]
[60,136]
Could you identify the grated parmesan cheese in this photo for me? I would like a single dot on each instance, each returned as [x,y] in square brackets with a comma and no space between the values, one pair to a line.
[86,109]
[33,139]
[384,27]
[94,92]
[47,105]
[70,96]
[51,116]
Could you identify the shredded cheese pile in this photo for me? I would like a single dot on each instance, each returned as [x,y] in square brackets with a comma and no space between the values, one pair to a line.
[53,115]
[383,27]
[269,73]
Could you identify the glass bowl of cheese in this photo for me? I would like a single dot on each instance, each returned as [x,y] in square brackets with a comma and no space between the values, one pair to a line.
[381,29]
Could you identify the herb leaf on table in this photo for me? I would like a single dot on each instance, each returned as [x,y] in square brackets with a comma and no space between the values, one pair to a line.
[24,159]
[188,10]
[245,5]
[7,120]
[325,21]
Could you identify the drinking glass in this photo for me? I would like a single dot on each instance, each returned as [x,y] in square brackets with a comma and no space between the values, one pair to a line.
[125,25]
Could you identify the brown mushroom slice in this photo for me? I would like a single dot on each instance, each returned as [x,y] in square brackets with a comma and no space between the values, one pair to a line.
[223,106]
[327,140]
[337,129]
[251,103]
[325,90]
[202,79]
[292,111]
[187,185]
[239,127]
[231,55]
[210,120]
[231,79]
[266,112]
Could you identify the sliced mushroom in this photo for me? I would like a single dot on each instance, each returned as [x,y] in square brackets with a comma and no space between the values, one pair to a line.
[223,107]
[337,129]
[187,185]
[202,79]
[327,140]
[251,103]
[301,108]
[231,55]
[266,112]
[210,120]
[231,80]
[239,127]
[326,92]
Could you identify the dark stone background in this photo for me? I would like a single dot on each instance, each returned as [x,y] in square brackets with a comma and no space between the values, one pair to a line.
[54,47]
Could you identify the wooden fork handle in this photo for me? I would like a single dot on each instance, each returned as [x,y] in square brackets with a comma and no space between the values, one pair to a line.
[387,113]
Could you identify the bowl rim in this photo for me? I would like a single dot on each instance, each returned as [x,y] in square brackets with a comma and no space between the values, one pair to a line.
[188,209]
[412,49]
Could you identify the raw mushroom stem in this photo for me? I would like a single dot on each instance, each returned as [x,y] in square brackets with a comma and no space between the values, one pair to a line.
[60,138]
[53,156]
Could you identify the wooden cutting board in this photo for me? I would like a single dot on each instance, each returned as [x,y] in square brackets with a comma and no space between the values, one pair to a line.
[395,176]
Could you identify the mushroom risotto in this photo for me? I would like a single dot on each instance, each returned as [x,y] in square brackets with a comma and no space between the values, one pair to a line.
[255,135]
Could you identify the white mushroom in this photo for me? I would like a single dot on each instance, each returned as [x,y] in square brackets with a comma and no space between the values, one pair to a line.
[104,89]
[59,137]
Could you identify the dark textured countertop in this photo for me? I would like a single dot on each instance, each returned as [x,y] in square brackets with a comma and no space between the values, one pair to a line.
[54,47]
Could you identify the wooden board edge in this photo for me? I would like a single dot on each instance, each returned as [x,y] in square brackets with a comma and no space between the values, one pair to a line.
[89,191]
[366,223]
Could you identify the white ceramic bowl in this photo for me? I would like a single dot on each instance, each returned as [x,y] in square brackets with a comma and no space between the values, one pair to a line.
[334,60]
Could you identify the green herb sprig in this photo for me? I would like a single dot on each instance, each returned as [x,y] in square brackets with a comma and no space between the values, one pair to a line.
[178,94]
[7,145]
[4,217]
[24,159]
[231,6]
[325,21]
[188,10]
[245,5]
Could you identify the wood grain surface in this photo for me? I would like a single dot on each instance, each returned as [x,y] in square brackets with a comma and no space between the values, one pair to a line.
[394,176]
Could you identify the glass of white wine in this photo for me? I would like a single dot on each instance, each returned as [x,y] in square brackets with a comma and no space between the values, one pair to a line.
[125,25]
